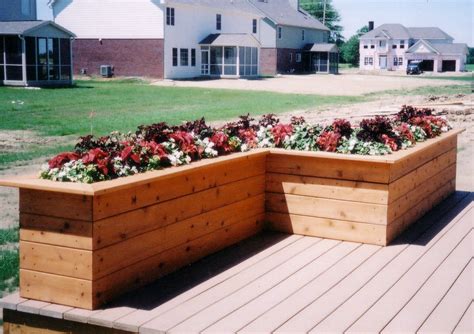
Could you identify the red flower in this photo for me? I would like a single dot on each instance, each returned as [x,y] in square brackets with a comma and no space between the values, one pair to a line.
[328,141]
[405,132]
[154,148]
[221,143]
[59,160]
[342,127]
[280,131]
[185,141]
[98,157]
[129,153]
[249,137]
[390,142]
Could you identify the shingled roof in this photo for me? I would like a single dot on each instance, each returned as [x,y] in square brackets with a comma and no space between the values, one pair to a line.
[398,31]
[27,27]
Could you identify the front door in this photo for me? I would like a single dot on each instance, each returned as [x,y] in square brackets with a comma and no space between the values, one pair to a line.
[204,62]
[383,62]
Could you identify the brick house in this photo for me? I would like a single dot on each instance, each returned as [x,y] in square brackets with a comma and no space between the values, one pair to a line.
[192,38]
[394,46]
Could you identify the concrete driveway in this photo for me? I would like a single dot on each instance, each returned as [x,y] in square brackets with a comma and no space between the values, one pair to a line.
[349,84]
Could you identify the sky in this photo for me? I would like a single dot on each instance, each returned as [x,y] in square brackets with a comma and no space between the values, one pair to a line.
[453,16]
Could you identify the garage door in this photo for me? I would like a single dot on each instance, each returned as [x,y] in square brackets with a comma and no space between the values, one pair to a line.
[449,65]
[427,65]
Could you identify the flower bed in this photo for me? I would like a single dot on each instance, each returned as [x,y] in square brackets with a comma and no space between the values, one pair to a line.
[160,145]
[84,244]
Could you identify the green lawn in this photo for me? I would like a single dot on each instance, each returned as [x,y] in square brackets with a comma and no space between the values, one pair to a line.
[99,107]
[470,67]
[9,260]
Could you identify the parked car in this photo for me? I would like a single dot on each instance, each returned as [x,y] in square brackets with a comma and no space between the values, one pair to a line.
[414,67]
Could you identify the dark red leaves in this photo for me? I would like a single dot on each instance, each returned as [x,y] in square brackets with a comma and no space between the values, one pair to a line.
[328,141]
[59,160]
[280,132]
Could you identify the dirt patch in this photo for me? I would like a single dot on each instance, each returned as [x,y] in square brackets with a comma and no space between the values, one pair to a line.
[20,141]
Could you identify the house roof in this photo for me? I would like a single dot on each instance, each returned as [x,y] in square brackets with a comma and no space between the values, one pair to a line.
[398,31]
[27,27]
[230,40]
[441,48]
[323,47]
[428,33]
[281,12]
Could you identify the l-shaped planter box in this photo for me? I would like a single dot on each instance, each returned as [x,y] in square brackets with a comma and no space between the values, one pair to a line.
[83,245]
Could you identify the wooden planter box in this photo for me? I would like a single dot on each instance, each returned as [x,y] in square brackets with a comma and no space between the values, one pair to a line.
[83,245]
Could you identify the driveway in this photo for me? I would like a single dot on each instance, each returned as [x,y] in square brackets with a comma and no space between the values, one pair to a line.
[349,84]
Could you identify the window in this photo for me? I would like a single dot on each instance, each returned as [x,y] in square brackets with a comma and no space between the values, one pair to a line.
[382,44]
[298,57]
[291,57]
[216,60]
[193,57]
[26,7]
[230,60]
[254,26]
[248,61]
[400,61]
[184,57]
[395,61]
[366,46]
[402,44]
[175,57]
[169,16]
[368,61]
[218,21]
[279,32]
[302,35]
[371,61]
[372,46]
[394,46]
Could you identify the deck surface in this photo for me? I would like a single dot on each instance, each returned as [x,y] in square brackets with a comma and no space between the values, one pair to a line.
[292,284]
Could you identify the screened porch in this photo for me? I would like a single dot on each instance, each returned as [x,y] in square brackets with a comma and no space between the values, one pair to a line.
[321,58]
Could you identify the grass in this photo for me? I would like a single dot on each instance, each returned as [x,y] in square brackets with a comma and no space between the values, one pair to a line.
[428,90]
[9,260]
[470,67]
[464,78]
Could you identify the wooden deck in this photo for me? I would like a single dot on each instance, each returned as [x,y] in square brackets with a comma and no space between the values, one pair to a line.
[293,284]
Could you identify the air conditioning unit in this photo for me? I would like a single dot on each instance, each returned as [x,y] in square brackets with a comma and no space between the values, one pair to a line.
[106,71]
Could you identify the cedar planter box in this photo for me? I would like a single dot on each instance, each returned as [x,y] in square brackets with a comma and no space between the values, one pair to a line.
[83,245]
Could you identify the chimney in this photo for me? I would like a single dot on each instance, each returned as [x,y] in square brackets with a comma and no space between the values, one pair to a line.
[295,4]
[371,25]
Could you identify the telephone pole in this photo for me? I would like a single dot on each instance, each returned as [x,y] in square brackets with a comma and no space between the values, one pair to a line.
[324,12]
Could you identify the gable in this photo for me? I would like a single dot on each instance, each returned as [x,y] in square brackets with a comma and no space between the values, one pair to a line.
[422,47]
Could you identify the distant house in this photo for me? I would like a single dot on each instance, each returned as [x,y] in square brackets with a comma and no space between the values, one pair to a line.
[192,38]
[32,53]
[393,47]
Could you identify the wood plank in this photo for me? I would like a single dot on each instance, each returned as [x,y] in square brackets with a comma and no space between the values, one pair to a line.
[56,260]
[164,189]
[327,228]
[174,316]
[380,314]
[276,316]
[416,311]
[56,289]
[21,323]
[404,203]
[399,225]
[61,205]
[450,310]
[410,162]
[465,325]
[31,306]
[133,321]
[107,317]
[11,302]
[56,231]
[315,166]
[166,213]
[260,304]
[54,311]
[413,179]
[326,208]
[110,259]
[446,227]
[327,188]
[152,268]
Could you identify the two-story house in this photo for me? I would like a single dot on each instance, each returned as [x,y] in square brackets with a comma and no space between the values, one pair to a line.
[32,52]
[192,38]
[394,46]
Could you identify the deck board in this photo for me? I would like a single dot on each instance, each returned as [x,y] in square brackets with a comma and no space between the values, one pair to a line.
[279,283]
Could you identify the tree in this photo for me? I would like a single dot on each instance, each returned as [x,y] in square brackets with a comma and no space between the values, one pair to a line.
[324,11]
[350,49]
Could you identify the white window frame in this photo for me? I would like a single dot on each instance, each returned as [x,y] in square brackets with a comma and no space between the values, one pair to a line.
[254,26]
[400,61]
[280,32]
[298,57]
[303,33]
[218,22]
[181,63]
[170,16]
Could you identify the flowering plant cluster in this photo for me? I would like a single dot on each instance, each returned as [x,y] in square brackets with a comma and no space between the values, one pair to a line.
[160,145]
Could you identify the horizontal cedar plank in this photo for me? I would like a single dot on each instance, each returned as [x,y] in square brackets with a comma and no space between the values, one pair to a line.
[161,190]
[410,181]
[404,166]
[327,188]
[327,228]
[56,260]
[368,171]
[56,231]
[162,214]
[152,268]
[60,205]
[110,259]
[403,204]
[56,289]
[417,211]
[326,208]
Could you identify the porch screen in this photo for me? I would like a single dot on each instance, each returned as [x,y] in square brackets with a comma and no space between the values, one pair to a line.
[248,58]
[12,67]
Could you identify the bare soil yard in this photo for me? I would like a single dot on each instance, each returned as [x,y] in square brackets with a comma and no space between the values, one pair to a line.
[344,84]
